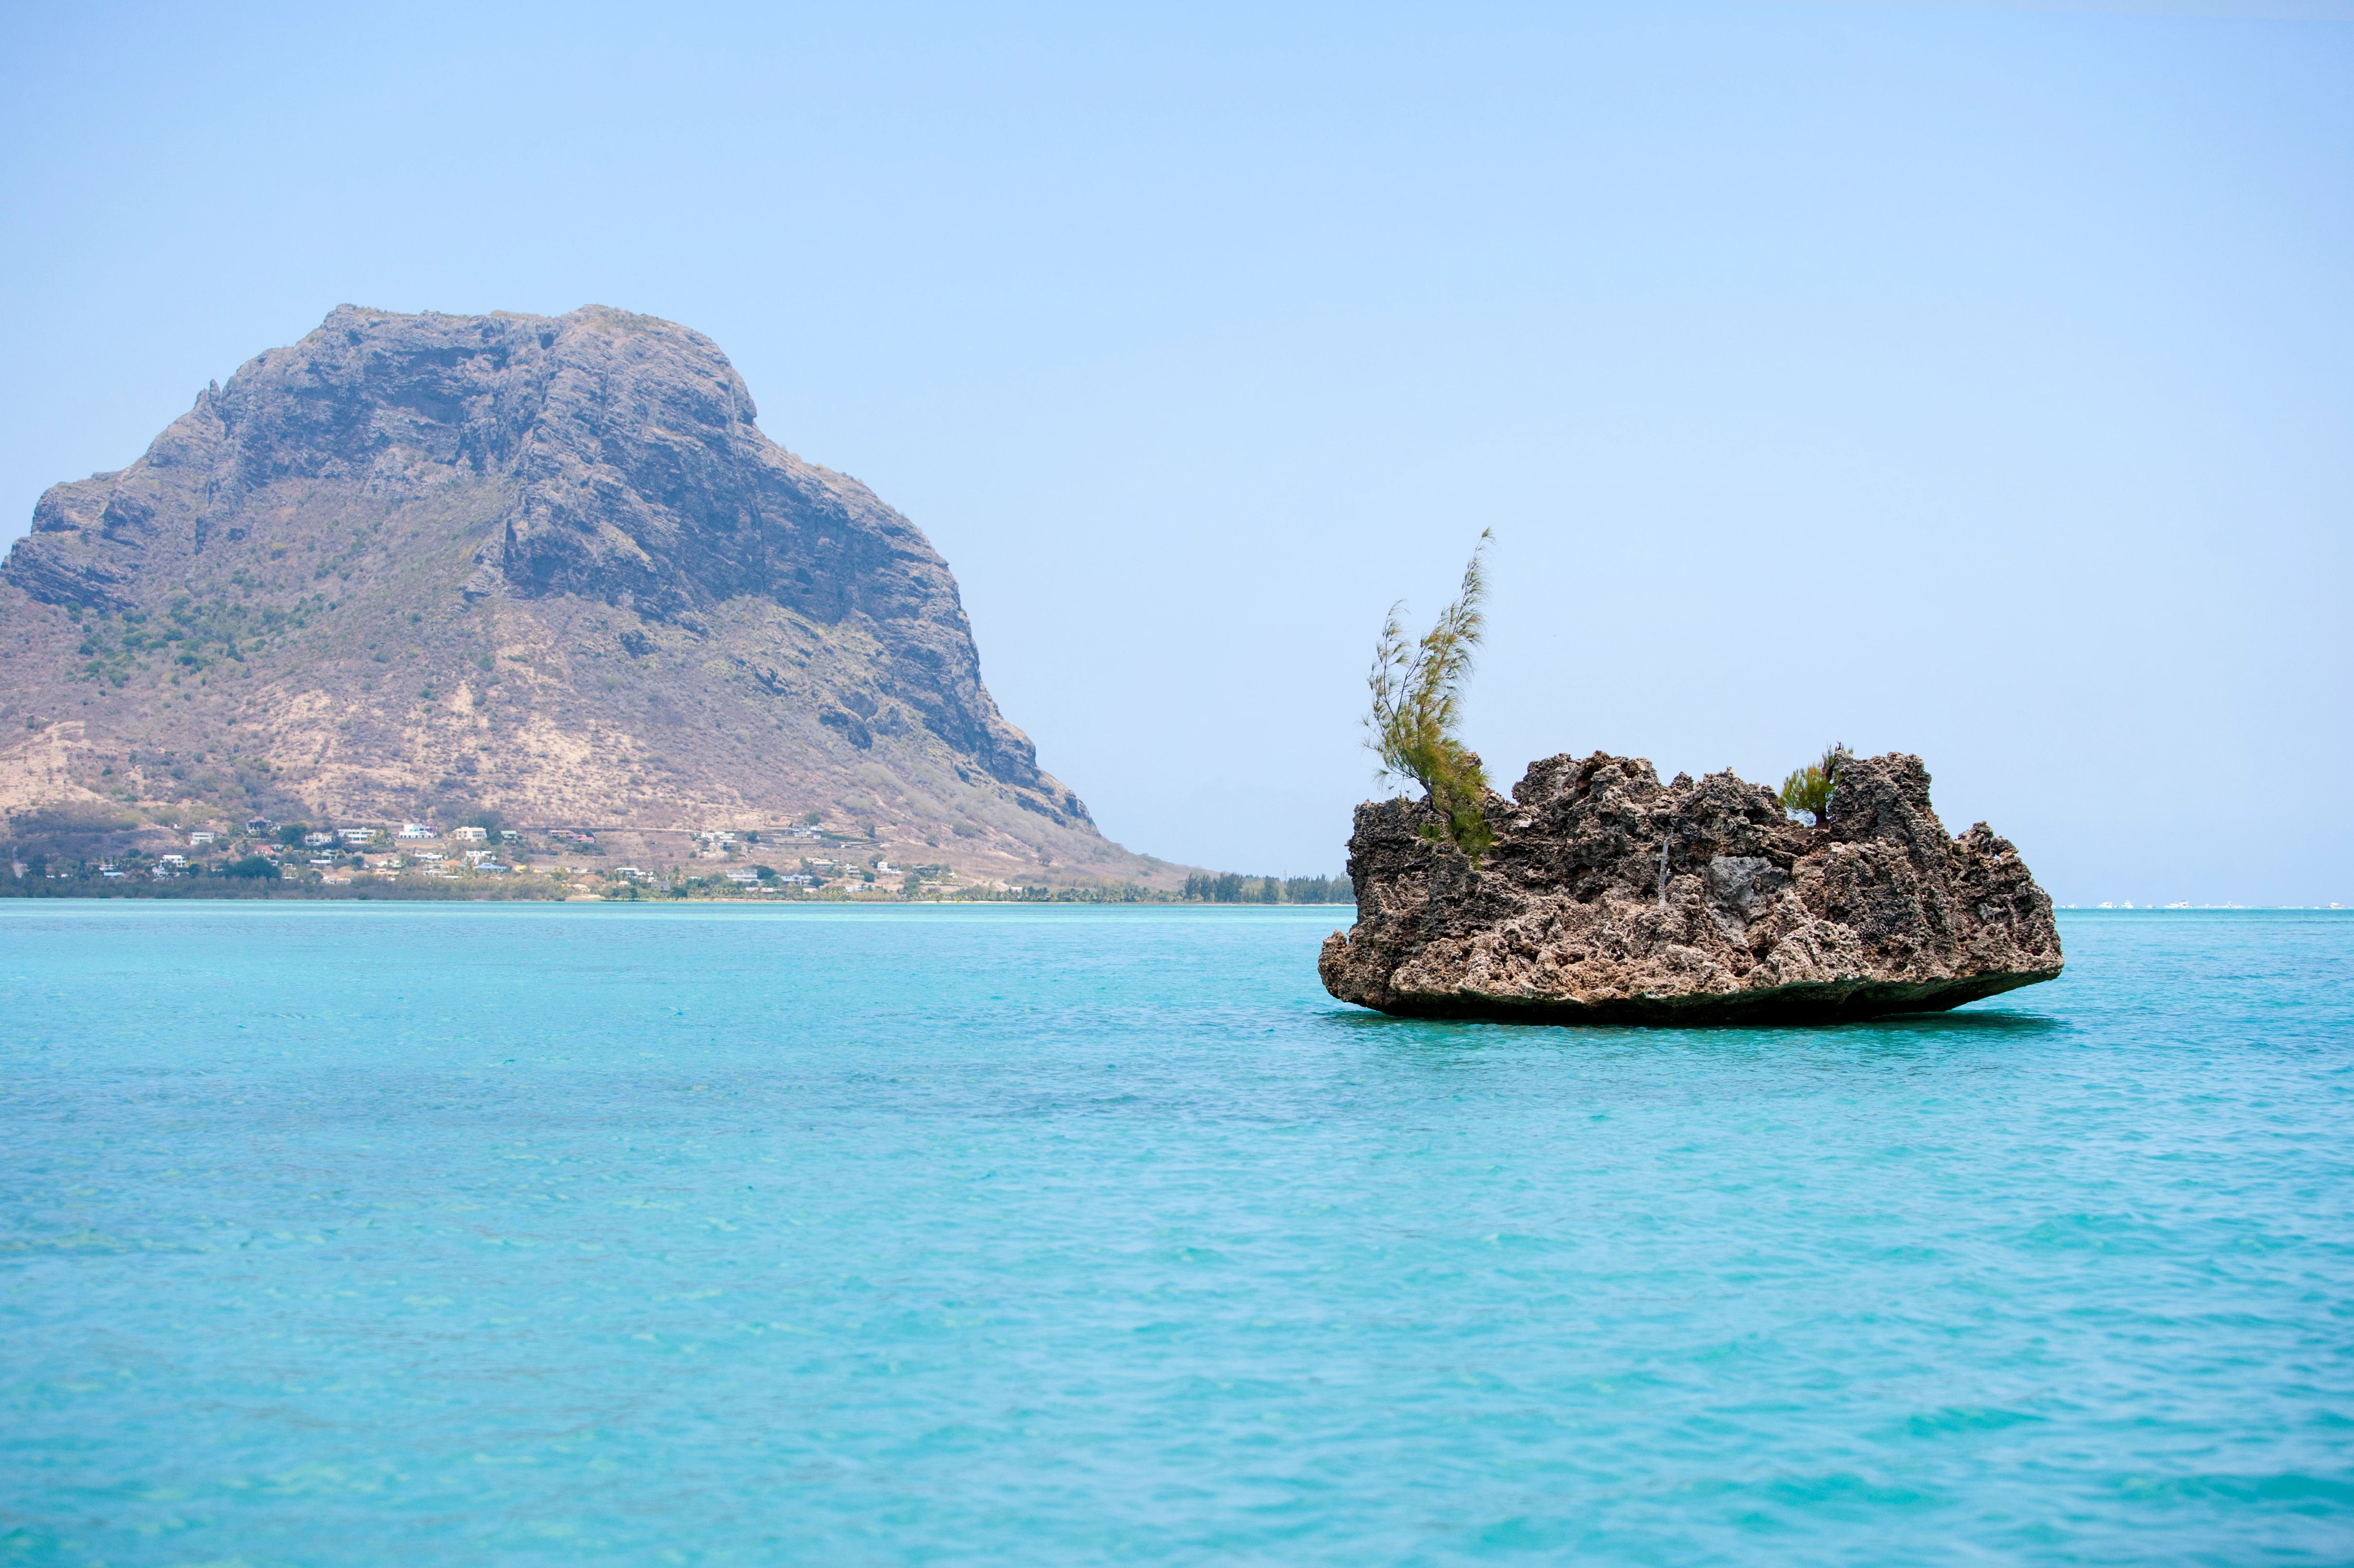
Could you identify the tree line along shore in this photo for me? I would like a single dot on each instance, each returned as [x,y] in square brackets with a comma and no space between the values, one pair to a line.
[482,858]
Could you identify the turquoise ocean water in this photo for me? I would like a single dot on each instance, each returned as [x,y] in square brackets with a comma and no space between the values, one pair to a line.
[409,1233]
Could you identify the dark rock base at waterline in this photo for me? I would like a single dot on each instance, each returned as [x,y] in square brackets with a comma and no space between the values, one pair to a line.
[1788,1006]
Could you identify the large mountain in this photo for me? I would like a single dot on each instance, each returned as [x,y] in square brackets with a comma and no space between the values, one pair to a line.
[544,566]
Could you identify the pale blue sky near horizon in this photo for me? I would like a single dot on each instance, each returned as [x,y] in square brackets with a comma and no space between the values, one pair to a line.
[1971,380]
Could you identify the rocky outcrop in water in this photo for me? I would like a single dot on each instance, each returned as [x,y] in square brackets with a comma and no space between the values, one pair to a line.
[1608,898]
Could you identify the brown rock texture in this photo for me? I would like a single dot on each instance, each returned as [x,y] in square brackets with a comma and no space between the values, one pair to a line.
[1576,917]
[542,566]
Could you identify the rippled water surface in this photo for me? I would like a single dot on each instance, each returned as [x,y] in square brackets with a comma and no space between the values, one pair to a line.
[364,1233]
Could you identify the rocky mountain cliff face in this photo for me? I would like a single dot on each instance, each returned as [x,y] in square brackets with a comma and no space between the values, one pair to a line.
[1609,898]
[548,566]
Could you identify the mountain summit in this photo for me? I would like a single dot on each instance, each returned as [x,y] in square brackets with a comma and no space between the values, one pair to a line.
[544,566]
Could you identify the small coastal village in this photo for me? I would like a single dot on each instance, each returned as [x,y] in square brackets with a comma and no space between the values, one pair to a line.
[484,858]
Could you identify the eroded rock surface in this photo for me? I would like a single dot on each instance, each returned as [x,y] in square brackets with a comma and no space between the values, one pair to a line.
[1576,916]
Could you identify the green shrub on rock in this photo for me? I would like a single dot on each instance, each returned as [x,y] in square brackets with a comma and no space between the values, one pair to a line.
[1809,789]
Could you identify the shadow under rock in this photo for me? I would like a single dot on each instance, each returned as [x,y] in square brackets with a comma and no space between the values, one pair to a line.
[1961,1022]
[1912,1027]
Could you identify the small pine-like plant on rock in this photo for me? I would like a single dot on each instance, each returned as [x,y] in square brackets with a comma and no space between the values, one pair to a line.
[1417,690]
[1809,789]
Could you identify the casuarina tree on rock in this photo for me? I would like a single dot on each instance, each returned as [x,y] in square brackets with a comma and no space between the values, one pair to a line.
[1417,688]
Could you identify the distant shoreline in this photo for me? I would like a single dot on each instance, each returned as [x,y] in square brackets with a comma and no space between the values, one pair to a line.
[373,896]
[2202,908]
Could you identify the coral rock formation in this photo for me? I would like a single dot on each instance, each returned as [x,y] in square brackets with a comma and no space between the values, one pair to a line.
[1576,916]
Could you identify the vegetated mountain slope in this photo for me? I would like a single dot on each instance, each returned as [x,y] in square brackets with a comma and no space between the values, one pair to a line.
[544,566]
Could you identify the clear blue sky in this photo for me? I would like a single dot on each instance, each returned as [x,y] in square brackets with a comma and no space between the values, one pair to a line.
[1974,381]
